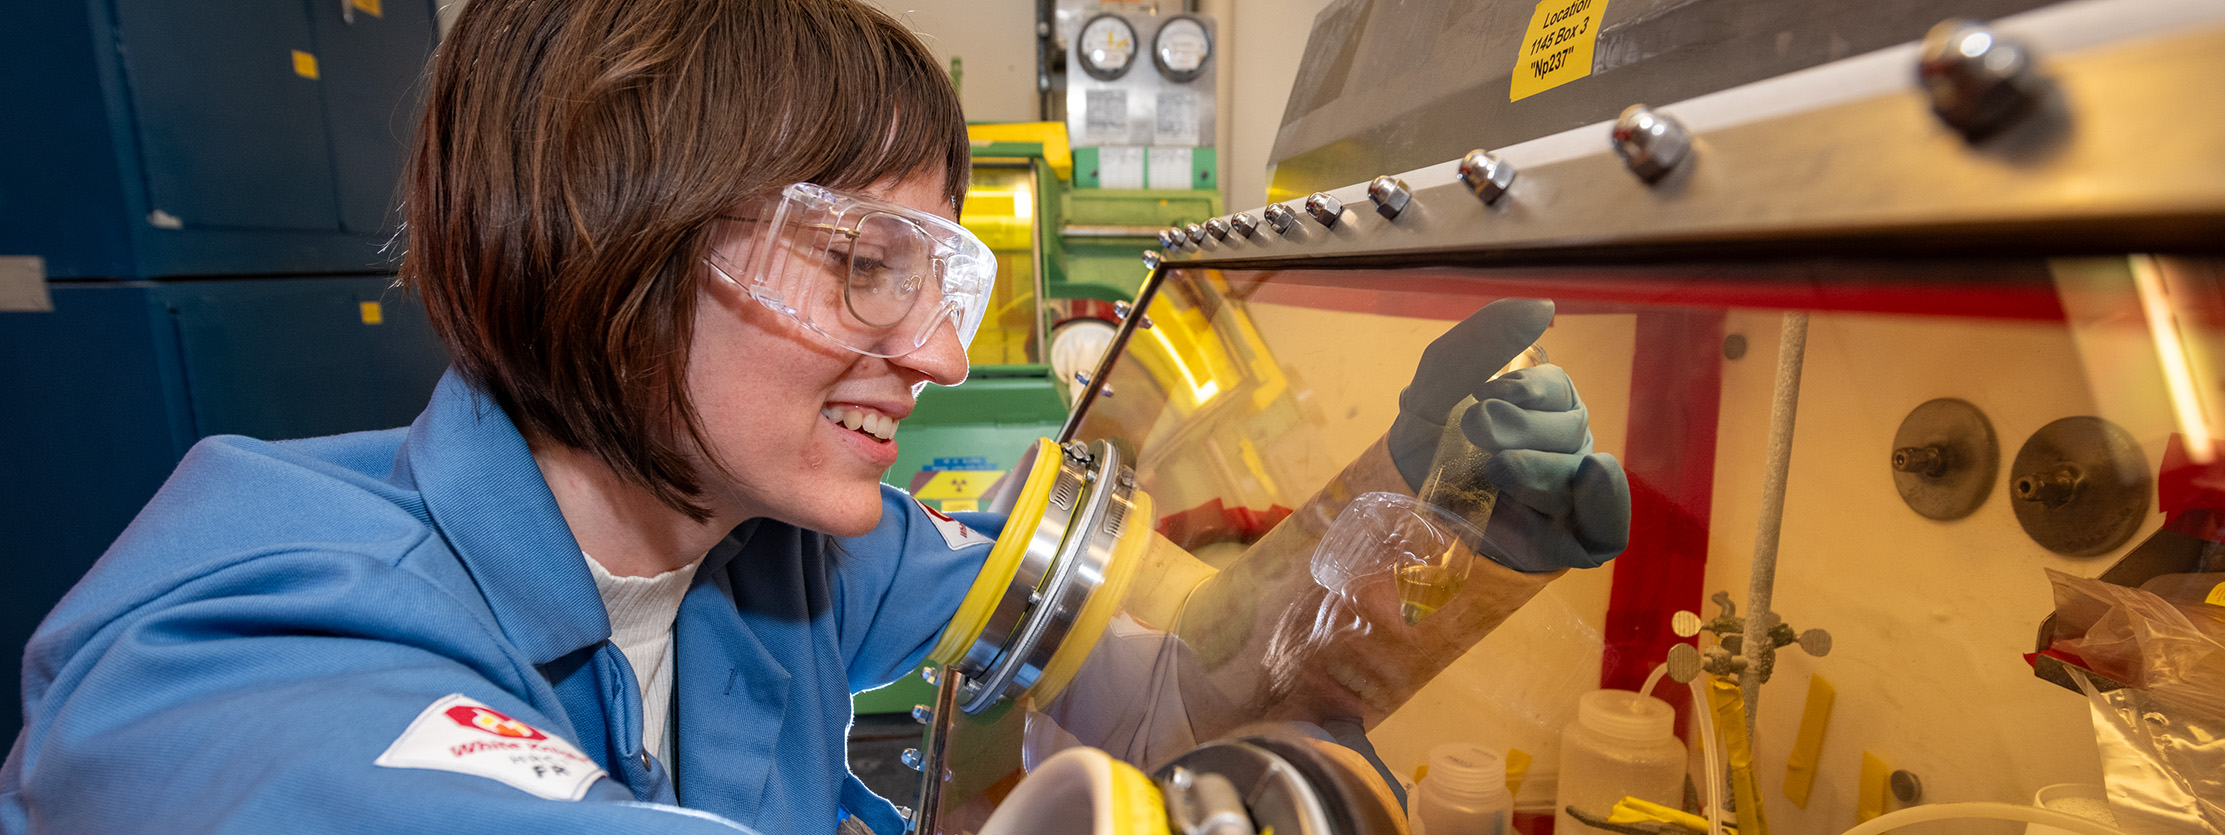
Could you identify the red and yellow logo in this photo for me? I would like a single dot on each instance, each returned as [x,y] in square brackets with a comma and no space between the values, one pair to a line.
[494,722]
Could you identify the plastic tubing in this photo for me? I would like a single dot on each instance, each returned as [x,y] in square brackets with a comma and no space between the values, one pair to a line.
[1997,811]
[1711,757]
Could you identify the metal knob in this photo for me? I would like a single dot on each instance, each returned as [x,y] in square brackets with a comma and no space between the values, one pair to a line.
[1390,195]
[1121,310]
[1170,239]
[1652,144]
[1282,218]
[1325,209]
[1486,174]
[1242,223]
[1218,228]
[1197,233]
[1979,81]
[1106,390]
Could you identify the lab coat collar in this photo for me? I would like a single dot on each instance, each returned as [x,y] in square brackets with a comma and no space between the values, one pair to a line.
[490,502]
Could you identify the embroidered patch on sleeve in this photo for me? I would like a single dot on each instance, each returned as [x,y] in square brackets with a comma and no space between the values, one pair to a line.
[955,533]
[463,735]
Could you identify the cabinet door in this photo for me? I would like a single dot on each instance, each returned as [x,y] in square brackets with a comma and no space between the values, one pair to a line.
[374,54]
[231,132]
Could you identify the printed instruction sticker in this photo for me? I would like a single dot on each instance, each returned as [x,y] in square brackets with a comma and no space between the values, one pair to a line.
[461,734]
[1119,166]
[955,533]
[1176,121]
[1558,47]
[1168,168]
[1105,114]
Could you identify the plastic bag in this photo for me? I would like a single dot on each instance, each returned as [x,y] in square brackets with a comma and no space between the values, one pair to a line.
[2162,737]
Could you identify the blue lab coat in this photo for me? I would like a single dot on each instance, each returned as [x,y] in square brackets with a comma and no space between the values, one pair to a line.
[281,612]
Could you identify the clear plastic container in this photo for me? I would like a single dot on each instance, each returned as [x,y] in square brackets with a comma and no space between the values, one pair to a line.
[1465,793]
[1621,745]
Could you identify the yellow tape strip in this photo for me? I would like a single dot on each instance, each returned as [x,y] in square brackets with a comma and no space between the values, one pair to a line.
[1518,768]
[1870,797]
[1730,723]
[1003,562]
[1807,747]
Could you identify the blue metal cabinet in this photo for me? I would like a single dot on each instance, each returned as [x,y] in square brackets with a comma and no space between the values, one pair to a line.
[155,138]
[99,399]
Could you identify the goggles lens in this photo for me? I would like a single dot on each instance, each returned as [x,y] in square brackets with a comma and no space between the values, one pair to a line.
[874,277]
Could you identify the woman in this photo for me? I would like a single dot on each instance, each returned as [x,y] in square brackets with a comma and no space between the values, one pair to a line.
[626,569]
[313,636]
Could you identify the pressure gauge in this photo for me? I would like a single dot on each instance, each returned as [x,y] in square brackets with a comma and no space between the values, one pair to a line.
[1107,46]
[1181,48]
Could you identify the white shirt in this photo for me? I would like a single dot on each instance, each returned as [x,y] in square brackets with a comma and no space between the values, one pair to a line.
[642,610]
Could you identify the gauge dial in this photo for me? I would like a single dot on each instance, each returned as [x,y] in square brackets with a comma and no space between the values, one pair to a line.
[1181,48]
[1106,47]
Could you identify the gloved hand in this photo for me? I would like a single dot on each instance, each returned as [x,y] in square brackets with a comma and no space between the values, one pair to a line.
[1561,505]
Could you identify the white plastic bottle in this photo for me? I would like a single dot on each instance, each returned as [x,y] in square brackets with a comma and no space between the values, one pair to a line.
[1621,745]
[1464,793]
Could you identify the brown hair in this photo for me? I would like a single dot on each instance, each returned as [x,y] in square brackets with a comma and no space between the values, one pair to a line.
[572,158]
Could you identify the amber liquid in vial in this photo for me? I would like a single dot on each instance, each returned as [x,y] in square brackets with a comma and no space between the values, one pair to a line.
[1423,589]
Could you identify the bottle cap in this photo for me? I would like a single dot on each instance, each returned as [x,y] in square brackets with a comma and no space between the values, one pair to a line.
[1465,770]
[1624,715]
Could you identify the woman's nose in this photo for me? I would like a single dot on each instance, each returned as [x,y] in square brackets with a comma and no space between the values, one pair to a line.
[942,359]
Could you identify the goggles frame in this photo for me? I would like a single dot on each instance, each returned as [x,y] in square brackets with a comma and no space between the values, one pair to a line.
[815,234]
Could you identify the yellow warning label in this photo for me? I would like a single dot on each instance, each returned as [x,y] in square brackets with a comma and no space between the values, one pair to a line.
[958,484]
[305,65]
[2217,595]
[1557,49]
[369,7]
[372,313]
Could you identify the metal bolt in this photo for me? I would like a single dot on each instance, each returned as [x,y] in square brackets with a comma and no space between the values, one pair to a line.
[923,714]
[1907,787]
[1486,174]
[1078,450]
[1168,239]
[1218,228]
[1127,478]
[1121,311]
[931,676]
[2053,488]
[1650,143]
[911,759]
[1082,377]
[1151,260]
[1325,209]
[1978,80]
[1242,223]
[1390,195]
[1197,233]
[1282,218]
[1928,460]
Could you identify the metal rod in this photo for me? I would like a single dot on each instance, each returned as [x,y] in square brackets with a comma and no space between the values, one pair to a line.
[1792,349]
[1159,268]
[1111,231]
[931,765]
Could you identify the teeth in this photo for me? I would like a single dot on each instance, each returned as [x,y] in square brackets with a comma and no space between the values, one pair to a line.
[872,423]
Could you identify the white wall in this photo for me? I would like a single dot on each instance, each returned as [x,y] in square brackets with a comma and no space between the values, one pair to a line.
[995,39]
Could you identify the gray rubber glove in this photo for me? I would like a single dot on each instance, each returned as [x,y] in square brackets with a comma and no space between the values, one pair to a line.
[1561,505]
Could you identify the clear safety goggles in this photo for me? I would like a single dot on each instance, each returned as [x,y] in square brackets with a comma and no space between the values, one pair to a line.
[868,275]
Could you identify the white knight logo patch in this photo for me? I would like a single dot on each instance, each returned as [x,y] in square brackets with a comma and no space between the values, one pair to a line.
[955,533]
[461,734]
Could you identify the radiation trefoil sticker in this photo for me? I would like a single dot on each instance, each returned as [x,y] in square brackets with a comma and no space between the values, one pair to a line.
[463,735]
